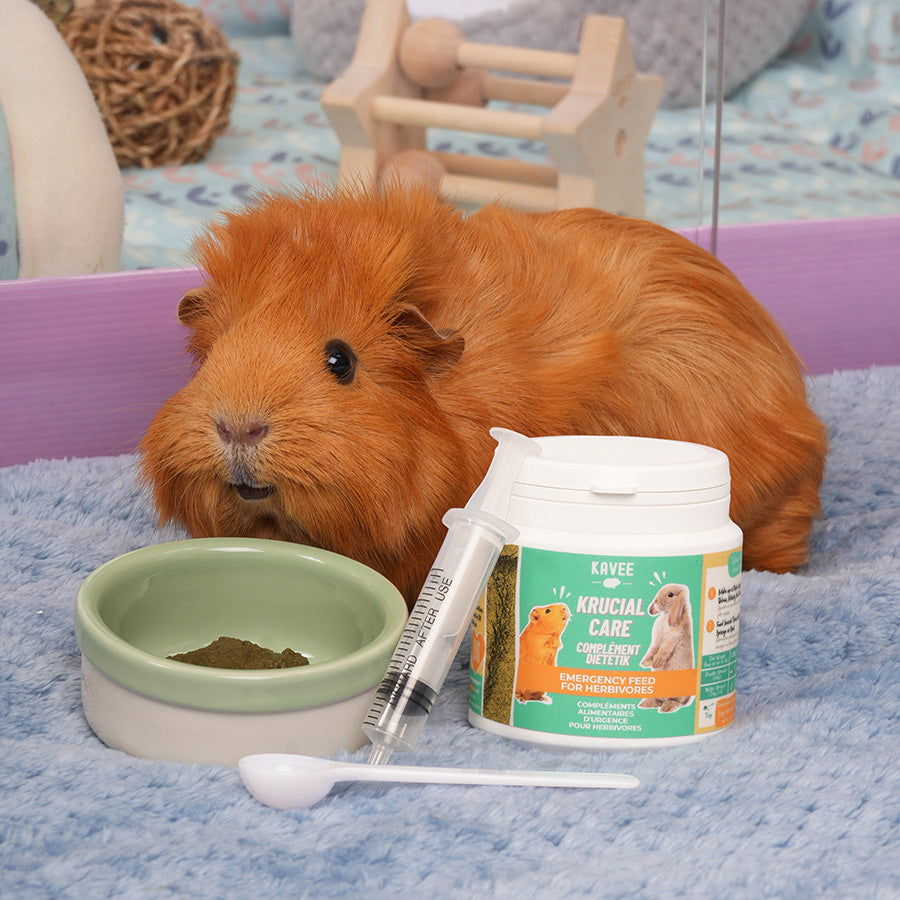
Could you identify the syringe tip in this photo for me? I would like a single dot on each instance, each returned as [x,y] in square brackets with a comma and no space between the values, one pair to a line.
[379,755]
[492,495]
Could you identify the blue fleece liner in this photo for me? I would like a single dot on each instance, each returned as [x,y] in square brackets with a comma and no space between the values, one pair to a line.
[800,798]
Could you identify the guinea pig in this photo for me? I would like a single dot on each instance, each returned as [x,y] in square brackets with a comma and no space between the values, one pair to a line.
[539,643]
[353,348]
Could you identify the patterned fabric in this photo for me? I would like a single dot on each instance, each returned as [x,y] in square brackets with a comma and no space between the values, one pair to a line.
[246,18]
[816,135]
[840,86]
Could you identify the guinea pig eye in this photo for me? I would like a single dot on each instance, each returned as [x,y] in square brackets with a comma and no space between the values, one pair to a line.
[340,361]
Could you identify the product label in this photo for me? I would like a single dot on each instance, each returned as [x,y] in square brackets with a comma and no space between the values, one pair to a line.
[608,647]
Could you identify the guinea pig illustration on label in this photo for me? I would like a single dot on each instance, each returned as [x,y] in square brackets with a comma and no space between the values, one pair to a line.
[539,644]
[671,641]
[352,350]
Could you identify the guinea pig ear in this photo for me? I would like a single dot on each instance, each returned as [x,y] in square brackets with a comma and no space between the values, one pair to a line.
[192,306]
[438,350]
[194,311]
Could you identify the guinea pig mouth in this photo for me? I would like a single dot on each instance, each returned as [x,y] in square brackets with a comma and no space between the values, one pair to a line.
[249,492]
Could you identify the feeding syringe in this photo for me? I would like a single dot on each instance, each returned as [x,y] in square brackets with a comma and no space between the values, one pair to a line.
[444,608]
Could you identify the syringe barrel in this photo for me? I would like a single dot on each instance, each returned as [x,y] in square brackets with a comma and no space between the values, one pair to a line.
[435,628]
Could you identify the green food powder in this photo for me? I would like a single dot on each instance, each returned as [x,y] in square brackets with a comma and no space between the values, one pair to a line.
[234,653]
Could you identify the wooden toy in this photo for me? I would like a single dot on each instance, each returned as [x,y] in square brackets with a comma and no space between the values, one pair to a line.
[406,78]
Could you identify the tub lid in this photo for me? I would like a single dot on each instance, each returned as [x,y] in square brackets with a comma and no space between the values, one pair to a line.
[624,465]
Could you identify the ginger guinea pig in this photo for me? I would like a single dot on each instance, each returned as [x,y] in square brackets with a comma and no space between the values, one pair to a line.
[539,643]
[352,351]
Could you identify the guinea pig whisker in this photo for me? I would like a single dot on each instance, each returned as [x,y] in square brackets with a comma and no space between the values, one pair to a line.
[111,477]
[117,474]
[130,505]
[142,513]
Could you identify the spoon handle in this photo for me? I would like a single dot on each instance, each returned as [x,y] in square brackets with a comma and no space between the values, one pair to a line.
[433,775]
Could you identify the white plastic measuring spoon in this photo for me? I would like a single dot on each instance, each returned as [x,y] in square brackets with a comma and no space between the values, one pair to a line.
[287,781]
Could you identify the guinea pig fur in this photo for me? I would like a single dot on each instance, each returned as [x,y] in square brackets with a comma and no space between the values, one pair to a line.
[353,349]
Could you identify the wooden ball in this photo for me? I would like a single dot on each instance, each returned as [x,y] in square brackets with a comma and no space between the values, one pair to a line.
[412,168]
[427,53]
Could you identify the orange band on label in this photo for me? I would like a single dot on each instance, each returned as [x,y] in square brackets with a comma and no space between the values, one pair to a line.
[725,711]
[598,683]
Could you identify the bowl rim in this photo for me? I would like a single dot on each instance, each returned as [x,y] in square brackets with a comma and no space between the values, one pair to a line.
[238,690]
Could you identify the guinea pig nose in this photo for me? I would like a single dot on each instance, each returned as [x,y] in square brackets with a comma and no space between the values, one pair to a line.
[249,434]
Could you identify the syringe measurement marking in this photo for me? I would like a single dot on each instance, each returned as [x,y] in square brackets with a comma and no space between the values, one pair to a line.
[404,660]
[434,592]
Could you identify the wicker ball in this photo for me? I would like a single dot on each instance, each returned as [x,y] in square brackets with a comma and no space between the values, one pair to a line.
[163,77]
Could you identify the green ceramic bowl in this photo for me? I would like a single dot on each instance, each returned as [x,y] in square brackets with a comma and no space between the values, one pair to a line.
[135,611]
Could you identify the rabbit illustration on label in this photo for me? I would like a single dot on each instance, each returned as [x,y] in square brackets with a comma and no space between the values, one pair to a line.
[671,641]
